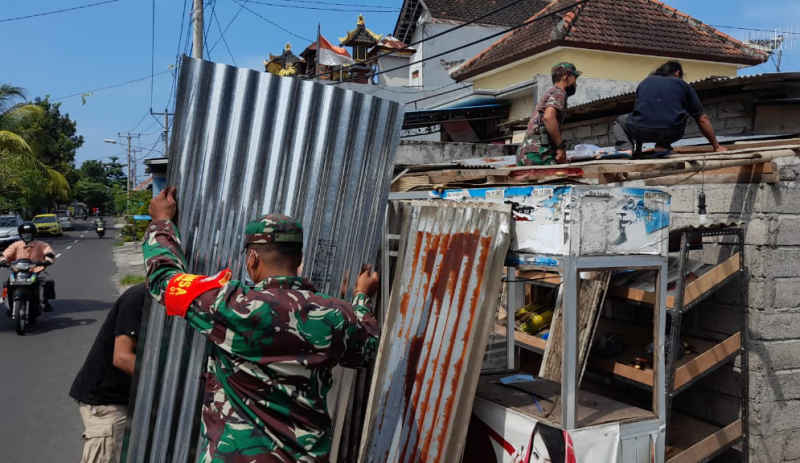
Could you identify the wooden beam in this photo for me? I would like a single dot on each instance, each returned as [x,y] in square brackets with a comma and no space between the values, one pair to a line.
[707,360]
[710,445]
[766,172]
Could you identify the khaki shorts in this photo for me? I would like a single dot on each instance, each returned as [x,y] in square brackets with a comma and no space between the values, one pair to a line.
[104,430]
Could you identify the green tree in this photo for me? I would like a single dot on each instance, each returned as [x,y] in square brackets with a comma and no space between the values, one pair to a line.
[51,135]
[26,182]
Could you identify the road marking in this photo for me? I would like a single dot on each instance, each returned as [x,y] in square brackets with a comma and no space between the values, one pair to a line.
[83,235]
[68,247]
[58,255]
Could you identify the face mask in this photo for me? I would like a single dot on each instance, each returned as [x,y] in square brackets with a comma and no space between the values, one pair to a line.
[27,238]
[571,89]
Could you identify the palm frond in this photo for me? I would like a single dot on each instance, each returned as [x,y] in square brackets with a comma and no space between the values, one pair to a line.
[13,143]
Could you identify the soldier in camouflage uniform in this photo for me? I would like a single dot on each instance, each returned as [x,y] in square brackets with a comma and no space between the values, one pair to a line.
[543,143]
[274,344]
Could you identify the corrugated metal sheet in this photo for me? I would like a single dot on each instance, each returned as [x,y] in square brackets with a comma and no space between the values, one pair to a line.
[246,143]
[444,298]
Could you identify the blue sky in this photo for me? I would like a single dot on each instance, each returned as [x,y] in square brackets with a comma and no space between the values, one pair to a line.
[77,51]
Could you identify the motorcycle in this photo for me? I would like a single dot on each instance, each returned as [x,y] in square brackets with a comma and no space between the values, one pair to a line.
[22,293]
[100,229]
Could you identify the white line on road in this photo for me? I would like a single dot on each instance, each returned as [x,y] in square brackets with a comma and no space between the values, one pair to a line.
[58,255]
[68,247]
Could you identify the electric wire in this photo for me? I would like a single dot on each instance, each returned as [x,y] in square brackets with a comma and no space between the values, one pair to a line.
[108,87]
[224,31]
[754,29]
[222,36]
[208,29]
[62,10]
[177,56]
[322,8]
[269,21]
[453,29]
[488,37]
[152,49]
[352,5]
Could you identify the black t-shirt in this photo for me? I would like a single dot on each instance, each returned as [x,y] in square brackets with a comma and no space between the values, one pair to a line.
[99,382]
[664,103]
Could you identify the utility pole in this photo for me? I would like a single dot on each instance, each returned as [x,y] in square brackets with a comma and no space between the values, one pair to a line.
[166,115]
[131,162]
[197,26]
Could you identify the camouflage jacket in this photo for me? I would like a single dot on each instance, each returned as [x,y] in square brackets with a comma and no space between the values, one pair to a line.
[537,148]
[274,345]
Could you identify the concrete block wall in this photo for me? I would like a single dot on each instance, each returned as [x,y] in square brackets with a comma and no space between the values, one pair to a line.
[771,218]
[729,117]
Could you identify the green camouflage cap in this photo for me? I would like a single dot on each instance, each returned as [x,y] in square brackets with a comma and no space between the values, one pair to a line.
[569,67]
[273,228]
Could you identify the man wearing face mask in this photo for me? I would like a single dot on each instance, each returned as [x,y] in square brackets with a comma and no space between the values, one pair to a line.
[274,342]
[543,143]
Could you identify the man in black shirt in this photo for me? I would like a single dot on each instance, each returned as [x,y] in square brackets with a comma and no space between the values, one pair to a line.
[664,103]
[102,387]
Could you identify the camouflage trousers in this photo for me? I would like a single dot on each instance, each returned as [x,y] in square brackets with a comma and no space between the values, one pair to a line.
[104,429]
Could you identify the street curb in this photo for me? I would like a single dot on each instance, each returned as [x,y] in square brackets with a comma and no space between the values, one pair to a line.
[128,260]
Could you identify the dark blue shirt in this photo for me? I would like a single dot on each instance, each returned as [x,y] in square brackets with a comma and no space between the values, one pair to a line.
[664,103]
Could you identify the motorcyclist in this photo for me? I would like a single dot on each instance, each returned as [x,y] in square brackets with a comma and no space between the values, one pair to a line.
[34,250]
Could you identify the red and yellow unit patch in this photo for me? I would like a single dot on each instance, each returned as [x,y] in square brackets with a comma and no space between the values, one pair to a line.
[184,288]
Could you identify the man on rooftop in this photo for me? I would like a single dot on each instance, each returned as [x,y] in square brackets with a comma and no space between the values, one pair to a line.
[543,143]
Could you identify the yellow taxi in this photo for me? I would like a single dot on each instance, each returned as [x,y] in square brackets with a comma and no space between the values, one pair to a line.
[47,223]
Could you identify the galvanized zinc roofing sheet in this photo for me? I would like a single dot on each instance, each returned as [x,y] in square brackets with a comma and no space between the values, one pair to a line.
[247,143]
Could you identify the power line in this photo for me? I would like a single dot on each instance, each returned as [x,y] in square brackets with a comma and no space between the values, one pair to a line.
[108,87]
[208,30]
[224,31]
[475,42]
[754,29]
[303,7]
[446,31]
[177,55]
[63,10]
[272,22]
[152,49]
[353,5]
[222,36]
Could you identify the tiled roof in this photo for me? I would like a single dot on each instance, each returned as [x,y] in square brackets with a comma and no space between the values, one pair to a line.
[467,10]
[464,11]
[634,26]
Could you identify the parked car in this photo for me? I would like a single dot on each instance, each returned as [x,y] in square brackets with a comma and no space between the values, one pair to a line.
[8,229]
[66,222]
[47,223]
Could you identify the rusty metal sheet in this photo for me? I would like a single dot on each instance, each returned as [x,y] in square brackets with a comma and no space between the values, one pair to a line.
[444,297]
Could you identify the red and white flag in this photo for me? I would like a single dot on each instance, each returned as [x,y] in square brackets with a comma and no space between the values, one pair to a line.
[330,55]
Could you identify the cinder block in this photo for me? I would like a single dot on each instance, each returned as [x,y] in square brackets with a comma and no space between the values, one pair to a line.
[736,199]
[759,231]
[600,129]
[771,356]
[769,262]
[775,448]
[683,199]
[582,132]
[782,198]
[738,123]
[730,109]
[774,325]
[603,140]
[771,417]
[787,292]
[777,386]
[788,230]
[788,168]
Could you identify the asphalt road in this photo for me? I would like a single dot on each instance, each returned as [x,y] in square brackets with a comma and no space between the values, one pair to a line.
[39,421]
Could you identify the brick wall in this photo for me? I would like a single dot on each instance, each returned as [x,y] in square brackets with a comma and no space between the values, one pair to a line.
[771,216]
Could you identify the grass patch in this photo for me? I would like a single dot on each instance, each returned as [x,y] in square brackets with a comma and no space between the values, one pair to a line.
[130,280]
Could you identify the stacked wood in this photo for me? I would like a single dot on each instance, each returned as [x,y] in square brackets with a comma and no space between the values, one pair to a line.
[752,163]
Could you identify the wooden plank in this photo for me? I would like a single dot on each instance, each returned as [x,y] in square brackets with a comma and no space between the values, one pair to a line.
[591,294]
[693,291]
[759,173]
[710,445]
[711,279]
[707,360]
[550,278]
[527,341]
